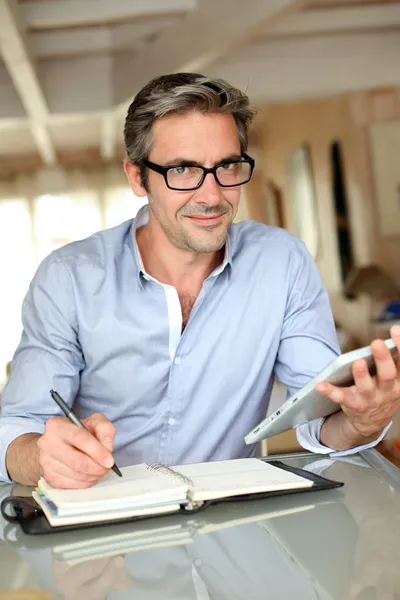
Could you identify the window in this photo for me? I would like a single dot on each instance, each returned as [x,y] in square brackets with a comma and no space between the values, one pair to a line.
[61,219]
[17,266]
[33,226]
[302,195]
[120,205]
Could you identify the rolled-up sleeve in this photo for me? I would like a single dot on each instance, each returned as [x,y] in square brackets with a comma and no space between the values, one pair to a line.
[308,342]
[308,436]
[48,356]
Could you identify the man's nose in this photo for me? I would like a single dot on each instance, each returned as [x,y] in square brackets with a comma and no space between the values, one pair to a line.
[210,192]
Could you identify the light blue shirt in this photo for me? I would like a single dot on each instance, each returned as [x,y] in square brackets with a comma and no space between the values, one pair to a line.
[108,337]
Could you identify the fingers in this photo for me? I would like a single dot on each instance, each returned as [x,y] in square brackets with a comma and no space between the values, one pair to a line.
[76,465]
[335,394]
[365,385]
[355,398]
[372,401]
[386,369]
[78,438]
[102,429]
[72,457]
[363,381]
[395,333]
[65,483]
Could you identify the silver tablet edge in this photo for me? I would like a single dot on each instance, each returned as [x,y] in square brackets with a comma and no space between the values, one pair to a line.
[255,435]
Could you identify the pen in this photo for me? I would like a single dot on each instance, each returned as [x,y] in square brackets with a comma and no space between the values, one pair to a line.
[74,419]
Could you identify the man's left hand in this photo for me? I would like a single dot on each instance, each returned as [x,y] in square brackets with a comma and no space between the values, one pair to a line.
[372,401]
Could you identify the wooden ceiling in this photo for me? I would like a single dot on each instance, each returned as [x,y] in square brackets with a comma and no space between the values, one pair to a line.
[68,73]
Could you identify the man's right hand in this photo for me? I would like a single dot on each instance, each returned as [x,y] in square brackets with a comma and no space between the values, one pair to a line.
[73,458]
[65,455]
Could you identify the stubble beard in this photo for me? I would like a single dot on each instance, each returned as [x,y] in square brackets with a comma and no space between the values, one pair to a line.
[181,238]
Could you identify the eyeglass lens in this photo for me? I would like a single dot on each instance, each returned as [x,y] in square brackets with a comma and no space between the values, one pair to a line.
[186,177]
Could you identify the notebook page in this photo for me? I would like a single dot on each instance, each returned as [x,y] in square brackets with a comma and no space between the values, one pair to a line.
[221,479]
[137,487]
[104,508]
[109,515]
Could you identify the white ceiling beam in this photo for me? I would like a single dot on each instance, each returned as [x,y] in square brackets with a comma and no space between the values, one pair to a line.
[13,123]
[21,68]
[108,138]
[84,40]
[43,142]
[71,119]
[356,18]
[214,30]
[47,14]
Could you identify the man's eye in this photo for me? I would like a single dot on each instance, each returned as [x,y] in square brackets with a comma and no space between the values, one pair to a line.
[228,166]
[180,170]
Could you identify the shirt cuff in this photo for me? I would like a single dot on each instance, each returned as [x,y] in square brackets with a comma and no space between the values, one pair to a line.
[308,436]
[11,428]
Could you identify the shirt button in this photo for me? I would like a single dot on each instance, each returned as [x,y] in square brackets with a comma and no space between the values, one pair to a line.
[197,562]
[172,421]
[177,361]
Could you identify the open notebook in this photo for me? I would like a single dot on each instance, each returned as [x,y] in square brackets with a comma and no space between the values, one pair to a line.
[149,491]
[155,490]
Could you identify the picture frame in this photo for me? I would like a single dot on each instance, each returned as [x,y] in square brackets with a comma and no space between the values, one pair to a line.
[273,202]
[302,198]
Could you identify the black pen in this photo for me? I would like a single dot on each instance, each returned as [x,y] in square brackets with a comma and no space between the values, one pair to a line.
[74,419]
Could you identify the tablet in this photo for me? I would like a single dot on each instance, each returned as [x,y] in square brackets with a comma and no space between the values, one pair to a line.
[307,404]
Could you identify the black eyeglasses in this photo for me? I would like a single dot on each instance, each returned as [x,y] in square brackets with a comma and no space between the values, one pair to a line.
[187,176]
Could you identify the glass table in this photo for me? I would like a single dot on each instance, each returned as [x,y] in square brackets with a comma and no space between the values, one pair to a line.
[337,544]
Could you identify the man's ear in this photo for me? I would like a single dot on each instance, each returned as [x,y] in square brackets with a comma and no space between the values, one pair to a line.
[133,174]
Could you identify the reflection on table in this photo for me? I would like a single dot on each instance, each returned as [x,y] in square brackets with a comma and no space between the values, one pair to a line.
[337,544]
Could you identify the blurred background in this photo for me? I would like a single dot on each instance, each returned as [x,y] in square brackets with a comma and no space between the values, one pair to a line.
[324,75]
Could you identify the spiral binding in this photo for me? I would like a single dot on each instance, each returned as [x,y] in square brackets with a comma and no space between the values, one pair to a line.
[164,470]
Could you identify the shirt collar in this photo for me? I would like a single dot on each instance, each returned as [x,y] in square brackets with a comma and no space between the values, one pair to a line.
[142,218]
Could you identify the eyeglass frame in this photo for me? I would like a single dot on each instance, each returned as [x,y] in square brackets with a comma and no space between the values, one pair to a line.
[163,170]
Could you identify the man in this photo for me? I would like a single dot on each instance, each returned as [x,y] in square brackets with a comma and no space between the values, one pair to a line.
[165,333]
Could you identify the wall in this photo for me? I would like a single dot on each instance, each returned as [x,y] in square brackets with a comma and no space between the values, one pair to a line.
[280,129]
[367,108]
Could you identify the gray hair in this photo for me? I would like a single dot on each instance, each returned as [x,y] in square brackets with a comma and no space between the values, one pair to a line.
[180,93]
